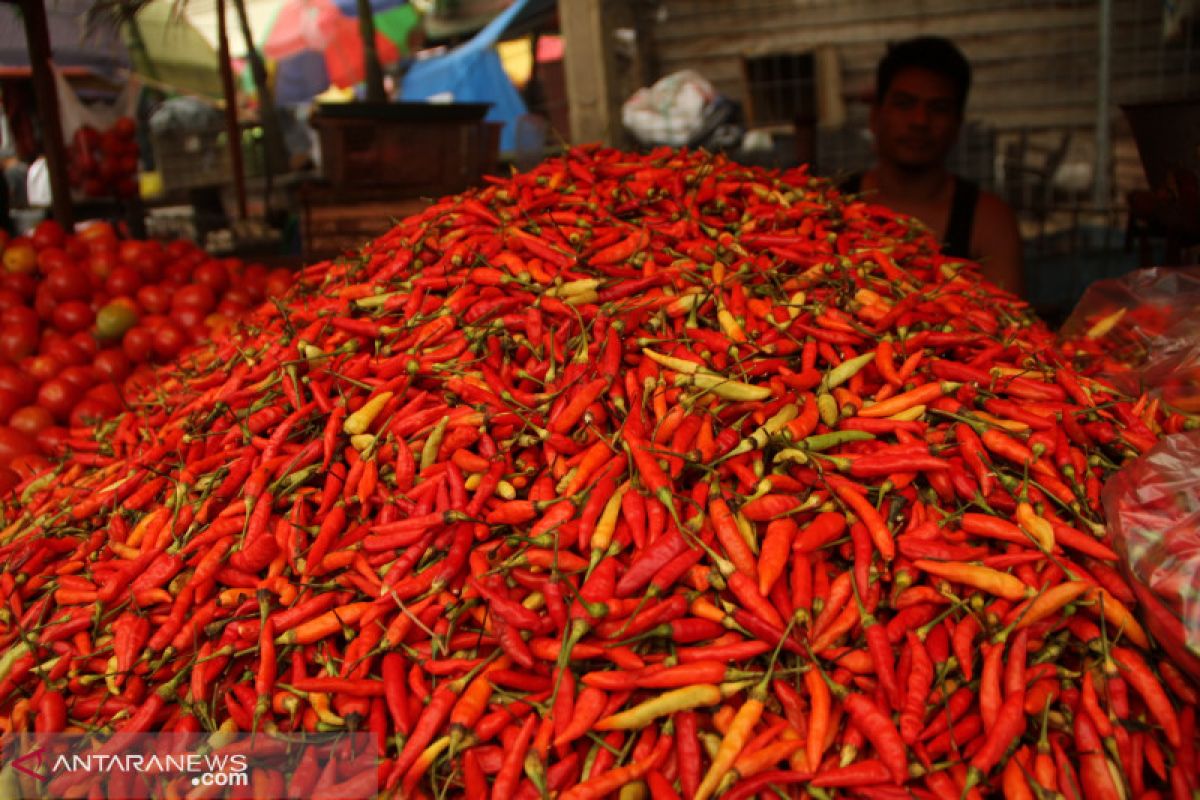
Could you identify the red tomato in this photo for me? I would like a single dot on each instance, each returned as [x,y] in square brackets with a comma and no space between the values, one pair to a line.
[178,248]
[123,280]
[196,296]
[76,248]
[19,316]
[19,256]
[53,440]
[279,281]
[138,343]
[86,342]
[9,402]
[48,233]
[73,315]
[65,350]
[68,283]
[14,443]
[53,258]
[169,340]
[20,283]
[88,412]
[106,393]
[59,396]
[112,365]
[99,232]
[42,368]
[102,264]
[124,127]
[9,298]
[188,317]
[154,299]
[9,479]
[149,265]
[17,342]
[31,420]
[17,380]
[29,465]
[178,273]
[129,250]
[44,303]
[254,280]
[213,275]
[239,295]
[231,310]
[82,376]
[218,323]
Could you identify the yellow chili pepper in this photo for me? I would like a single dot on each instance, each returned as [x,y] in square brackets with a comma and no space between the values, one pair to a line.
[641,715]
[361,420]
[986,579]
[725,388]
[734,741]
[1041,530]
[433,444]
[1117,615]
[1049,601]
[603,532]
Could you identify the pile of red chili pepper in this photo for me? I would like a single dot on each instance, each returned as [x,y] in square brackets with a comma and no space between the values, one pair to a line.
[631,475]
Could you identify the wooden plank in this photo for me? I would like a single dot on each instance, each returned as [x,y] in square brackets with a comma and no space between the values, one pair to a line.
[37,39]
[588,64]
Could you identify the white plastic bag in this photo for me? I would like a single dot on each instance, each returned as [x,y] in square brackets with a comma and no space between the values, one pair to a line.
[671,111]
[37,184]
[76,114]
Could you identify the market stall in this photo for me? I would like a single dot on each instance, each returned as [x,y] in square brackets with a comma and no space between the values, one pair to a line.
[638,472]
[567,476]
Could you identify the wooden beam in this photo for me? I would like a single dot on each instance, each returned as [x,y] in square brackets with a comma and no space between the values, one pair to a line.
[37,38]
[232,130]
[589,70]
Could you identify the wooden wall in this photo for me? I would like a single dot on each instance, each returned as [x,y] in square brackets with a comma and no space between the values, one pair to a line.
[1034,61]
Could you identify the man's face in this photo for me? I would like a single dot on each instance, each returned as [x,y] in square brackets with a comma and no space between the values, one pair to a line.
[916,123]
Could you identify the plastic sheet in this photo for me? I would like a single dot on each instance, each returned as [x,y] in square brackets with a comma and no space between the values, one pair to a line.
[75,113]
[1141,332]
[1153,512]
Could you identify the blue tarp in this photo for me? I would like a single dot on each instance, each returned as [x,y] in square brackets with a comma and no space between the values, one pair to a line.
[350,7]
[472,74]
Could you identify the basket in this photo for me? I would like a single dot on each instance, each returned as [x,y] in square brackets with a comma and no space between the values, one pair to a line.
[192,159]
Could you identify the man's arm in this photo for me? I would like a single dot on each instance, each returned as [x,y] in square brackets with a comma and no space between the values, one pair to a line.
[996,243]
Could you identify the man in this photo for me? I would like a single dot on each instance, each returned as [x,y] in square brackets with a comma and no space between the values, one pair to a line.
[920,99]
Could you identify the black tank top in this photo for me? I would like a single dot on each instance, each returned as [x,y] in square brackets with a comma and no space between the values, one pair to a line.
[957,243]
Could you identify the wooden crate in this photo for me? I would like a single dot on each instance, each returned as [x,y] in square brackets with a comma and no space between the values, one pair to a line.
[430,150]
[337,223]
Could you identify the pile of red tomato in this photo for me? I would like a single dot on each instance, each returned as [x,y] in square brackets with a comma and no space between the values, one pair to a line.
[82,317]
[104,163]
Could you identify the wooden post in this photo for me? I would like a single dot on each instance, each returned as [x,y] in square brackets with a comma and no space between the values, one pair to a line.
[232,130]
[37,38]
[587,60]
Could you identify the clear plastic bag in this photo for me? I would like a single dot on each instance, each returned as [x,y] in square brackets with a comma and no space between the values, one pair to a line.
[1141,332]
[671,111]
[1153,512]
[76,114]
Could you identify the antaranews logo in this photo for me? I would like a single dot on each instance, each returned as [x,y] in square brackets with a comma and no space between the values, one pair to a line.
[23,764]
[63,764]
[144,766]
